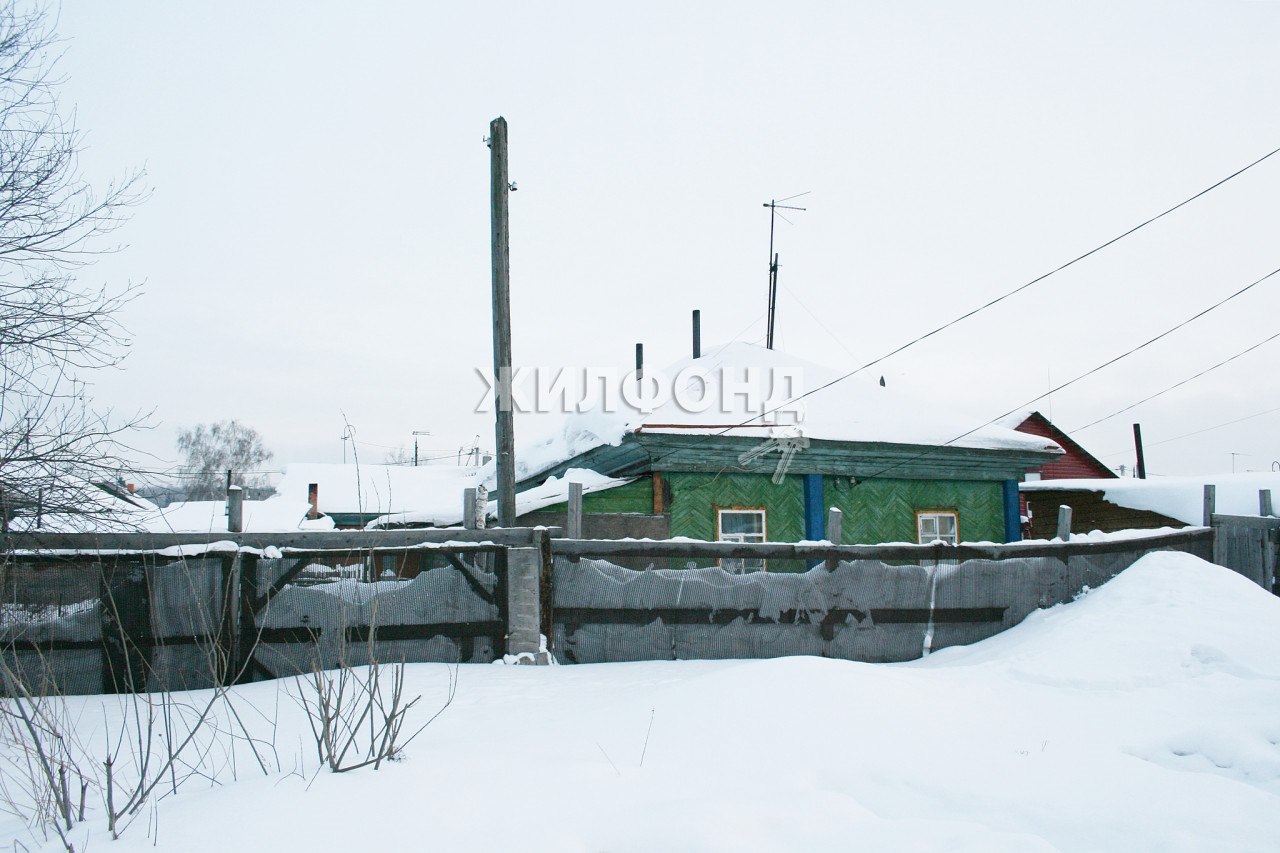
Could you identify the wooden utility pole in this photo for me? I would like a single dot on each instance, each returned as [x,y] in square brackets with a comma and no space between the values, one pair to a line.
[499,190]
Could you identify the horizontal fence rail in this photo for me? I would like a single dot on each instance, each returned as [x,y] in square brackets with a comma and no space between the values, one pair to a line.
[823,551]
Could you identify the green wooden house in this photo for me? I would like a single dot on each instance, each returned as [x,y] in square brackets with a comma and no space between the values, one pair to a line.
[900,470]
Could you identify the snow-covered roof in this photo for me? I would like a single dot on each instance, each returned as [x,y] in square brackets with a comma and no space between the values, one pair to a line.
[99,509]
[553,491]
[382,489]
[1013,420]
[1176,497]
[276,514]
[424,494]
[856,409]
[109,513]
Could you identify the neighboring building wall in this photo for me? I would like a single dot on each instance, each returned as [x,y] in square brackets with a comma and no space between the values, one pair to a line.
[875,511]
[633,497]
[1076,463]
[605,525]
[636,496]
[878,511]
[1089,511]
[625,512]
[695,498]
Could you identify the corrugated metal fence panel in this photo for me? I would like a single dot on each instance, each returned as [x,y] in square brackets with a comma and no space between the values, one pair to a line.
[186,610]
[863,610]
[51,626]
[977,599]
[874,588]
[437,616]
[604,612]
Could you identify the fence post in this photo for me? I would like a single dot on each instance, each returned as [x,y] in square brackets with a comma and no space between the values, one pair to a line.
[127,638]
[524,603]
[1264,502]
[227,640]
[834,520]
[573,524]
[469,509]
[235,509]
[1210,503]
[546,587]
[1064,523]
[248,617]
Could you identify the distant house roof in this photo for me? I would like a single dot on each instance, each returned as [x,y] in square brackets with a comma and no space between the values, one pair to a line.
[276,514]
[554,490]
[853,409]
[97,507]
[114,510]
[1180,498]
[387,495]
[1075,463]
[356,494]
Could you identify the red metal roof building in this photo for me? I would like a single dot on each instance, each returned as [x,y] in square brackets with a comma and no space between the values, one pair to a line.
[1077,463]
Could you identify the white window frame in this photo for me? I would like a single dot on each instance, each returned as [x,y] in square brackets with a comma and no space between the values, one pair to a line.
[742,565]
[933,515]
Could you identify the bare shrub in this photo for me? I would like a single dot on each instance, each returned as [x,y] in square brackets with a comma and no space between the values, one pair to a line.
[357,714]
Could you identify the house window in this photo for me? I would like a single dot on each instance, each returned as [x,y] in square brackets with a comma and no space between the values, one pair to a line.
[741,525]
[933,526]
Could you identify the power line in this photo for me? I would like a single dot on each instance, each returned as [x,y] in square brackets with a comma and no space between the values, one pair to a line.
[1130,352]
[1053,390]
[1179,384]
[1089,373]
[1002,298]
[1197,432]
[1034,281]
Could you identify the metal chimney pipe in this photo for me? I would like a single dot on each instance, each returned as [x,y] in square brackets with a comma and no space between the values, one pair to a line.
[639,362]
[697,333]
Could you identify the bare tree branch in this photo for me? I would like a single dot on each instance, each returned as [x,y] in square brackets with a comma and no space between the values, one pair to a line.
[54,445]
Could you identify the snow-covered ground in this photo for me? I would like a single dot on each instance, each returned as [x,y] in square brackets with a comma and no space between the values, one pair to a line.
[1144,716]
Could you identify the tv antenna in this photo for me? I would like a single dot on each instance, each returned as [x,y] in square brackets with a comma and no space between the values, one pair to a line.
[774,206]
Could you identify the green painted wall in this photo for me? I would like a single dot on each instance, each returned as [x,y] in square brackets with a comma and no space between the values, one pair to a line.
[694,498]
[633,497]
[877,511]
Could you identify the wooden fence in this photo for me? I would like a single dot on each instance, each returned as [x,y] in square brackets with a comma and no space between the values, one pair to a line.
[866,603]
[140,611]
[134,612]
[1246,544]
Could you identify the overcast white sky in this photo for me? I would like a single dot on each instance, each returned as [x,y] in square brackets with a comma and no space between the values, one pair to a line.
[317,240]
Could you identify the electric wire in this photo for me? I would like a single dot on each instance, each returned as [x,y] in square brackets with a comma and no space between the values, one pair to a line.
[1178,384]
[1094,370]
[1195,432]
[1038,397]
[997,300]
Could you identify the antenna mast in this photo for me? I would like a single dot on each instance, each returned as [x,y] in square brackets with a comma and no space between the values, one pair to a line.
[774,206]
